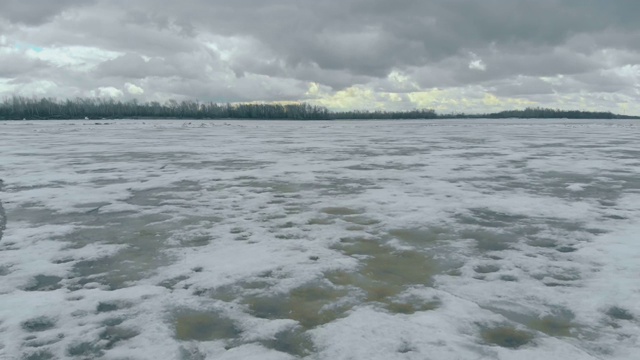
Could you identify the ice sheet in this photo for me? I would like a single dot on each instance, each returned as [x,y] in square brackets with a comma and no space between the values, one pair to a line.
[459,239]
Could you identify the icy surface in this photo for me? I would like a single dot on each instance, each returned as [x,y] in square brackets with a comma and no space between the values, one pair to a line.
[322,240]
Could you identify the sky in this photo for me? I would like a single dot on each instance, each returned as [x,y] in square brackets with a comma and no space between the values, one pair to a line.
[448,55]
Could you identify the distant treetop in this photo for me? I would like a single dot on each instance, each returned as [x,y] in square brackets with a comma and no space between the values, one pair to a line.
[18,108]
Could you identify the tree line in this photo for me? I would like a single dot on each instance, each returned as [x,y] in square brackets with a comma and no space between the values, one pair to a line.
[19,107]
[543,113]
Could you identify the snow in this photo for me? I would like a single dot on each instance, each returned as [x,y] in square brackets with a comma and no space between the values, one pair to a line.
[457,239]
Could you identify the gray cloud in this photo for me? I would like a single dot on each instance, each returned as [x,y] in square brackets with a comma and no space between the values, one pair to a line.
[36,12]
[16,65]
[271,50]
[134,66]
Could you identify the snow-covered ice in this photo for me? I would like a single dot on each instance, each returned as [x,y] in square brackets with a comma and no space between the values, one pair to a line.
[474,239]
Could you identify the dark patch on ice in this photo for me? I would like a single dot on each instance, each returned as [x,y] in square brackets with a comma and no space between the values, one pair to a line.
[486,269]
[406,348]
[340,211]
[419,236]
[506,336]
[343,186]
[40,354]
[490,218]
[108,306]
[35,342]
[320,221]
[177,191]
[38,324]
[63,260]
[113,321]
[287,225]
[566,249]
[489,240]
[291,341]
[508,278]
[4,270]
[615,217]
[236,230]
[385,272]
[619,313]
[360,220]
[411,305]
[556,284]
[595,231]
[88,349]
[543,242]
[204,326]
[44,283]
[567,275]
[311,305]
[196,241]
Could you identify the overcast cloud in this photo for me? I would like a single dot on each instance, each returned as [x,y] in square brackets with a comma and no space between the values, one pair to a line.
[449,55]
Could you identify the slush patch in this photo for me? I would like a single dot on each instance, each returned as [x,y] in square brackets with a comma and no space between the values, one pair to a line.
[44,283]
[39,324]
[310,305]
[506,336]
[204,326]
[619,313]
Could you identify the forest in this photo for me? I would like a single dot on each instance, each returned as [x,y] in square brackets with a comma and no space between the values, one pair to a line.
[19,108]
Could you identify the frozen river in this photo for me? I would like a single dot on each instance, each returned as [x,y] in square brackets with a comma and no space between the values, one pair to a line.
[469,239]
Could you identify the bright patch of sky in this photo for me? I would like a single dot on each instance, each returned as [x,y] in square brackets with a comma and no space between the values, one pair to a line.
[133,89]
[80,58]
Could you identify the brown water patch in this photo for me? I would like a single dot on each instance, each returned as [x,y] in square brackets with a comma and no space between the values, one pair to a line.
[311,305]
[506,336]
[204,326]
[418,235]
[385,272]
[410,306]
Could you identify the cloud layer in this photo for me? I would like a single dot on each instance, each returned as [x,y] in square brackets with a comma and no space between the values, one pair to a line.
[461,55]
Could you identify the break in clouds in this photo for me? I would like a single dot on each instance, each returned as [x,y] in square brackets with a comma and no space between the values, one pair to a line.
[451,56]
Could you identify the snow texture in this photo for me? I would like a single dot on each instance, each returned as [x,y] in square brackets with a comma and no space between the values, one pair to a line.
[458,239]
